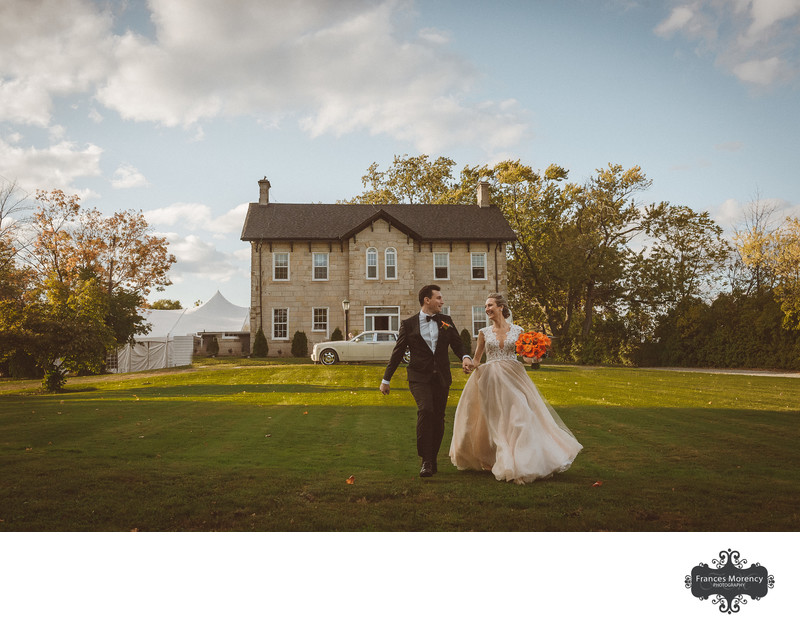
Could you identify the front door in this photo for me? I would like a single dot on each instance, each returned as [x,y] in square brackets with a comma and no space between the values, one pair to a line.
[381,322]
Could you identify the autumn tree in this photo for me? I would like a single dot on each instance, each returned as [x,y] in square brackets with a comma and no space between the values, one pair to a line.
[119,249]
[786,264]
[87,275]
[166,305]
[414,180]
[754,241]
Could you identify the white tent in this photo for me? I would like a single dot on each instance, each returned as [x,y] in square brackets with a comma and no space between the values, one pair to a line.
[216,315]
[170,342]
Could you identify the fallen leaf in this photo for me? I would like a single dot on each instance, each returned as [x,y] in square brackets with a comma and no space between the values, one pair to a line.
[597,484]
[351,479]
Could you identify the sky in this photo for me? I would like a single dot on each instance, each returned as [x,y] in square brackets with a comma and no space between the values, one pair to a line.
[178,107]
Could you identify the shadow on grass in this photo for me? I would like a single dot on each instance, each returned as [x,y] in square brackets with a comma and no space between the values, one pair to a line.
[199,465]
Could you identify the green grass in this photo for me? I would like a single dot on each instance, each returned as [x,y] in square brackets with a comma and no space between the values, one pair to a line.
[267,446]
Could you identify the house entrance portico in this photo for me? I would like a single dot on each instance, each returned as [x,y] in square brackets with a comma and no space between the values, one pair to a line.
[382,318]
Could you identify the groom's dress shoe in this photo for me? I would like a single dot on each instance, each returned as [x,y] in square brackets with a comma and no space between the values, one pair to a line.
[426,470]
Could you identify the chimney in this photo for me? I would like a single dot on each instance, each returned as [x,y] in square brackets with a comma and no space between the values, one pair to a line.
[483,195]
[263,192]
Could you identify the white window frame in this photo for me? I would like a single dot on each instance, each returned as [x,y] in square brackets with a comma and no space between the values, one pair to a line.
[372,251]
[478,317]
[435,266]
[314,266]
[314,328]
[473,266]
[393,312]
[274,323]
[389,251]
[275,266]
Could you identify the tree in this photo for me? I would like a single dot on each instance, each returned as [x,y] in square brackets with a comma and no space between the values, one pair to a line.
[213,347]
[754,242]
[299,344]
[13,207]
[787,269]
[684,257]
[119,248]
[414,180]
[260,346]
[166,305]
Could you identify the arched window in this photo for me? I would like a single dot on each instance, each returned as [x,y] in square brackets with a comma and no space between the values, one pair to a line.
[390,260]
[372,264]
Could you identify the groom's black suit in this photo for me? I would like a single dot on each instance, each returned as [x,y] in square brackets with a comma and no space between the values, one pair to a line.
[429,378]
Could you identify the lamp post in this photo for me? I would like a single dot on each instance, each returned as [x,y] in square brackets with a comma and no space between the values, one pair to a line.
[346,309]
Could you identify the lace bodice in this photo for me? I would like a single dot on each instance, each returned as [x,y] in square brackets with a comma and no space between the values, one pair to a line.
[493,350]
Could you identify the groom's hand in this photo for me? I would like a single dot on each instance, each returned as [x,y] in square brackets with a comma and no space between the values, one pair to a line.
[384,389]
[467,365]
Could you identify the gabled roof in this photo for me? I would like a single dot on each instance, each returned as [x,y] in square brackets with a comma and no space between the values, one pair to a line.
[422,222]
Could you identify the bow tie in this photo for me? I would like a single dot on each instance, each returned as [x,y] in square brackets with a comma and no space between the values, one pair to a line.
[430,317]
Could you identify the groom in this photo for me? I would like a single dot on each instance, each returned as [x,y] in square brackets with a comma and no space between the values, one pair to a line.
[428,334]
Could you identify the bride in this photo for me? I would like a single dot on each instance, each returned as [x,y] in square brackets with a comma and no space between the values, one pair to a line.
[502,422]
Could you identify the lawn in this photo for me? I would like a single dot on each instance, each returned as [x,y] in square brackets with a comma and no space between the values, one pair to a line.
[268,446]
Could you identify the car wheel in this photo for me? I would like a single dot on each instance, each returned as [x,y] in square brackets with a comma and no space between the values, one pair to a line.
[328,357]
[407,356]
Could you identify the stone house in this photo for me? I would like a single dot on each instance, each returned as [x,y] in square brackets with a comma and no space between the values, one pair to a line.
[316,267]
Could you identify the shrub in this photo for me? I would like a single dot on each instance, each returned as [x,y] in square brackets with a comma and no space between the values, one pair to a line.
[299,344]
[337,335]
[213,347]
[260,346]
[54,379]
[466,339]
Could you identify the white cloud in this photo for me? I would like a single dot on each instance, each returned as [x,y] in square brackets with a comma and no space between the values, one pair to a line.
[189,215]
[49,48]
[677,20]
[127,176]
[200,261]
[55,166]
[333,68]
[755,40]
[760,71]
[345,67]
[197,216]
[231,222]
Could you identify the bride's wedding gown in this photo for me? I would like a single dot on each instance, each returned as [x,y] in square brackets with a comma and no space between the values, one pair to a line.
[503,423]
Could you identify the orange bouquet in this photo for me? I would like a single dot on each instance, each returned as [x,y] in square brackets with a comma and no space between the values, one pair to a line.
[533,345]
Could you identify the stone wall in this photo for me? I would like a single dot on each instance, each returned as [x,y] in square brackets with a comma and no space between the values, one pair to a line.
[347,279]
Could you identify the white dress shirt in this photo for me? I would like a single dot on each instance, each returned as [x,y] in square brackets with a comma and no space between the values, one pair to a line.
[429,330]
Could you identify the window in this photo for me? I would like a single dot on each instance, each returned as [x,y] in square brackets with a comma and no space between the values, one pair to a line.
[319,320]
[372,264]
[320,263]
[479,266]
[381,318]
[445,310]
[385,336]
[478,319]
[280,323]
[390,260]
[441,266]
[280,265]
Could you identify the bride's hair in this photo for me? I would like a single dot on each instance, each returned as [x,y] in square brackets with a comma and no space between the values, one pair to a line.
[501,302]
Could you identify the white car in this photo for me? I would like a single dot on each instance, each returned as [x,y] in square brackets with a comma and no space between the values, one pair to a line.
[373,345]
